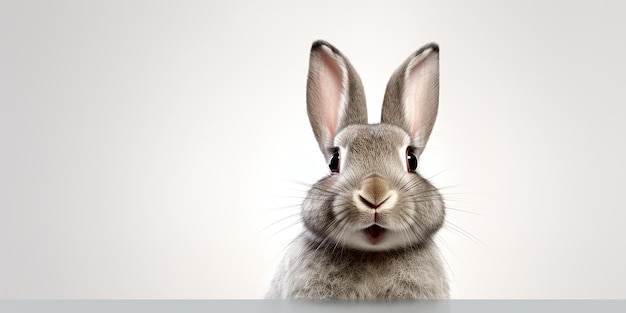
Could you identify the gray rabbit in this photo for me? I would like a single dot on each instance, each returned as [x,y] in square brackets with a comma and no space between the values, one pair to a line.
[369,224]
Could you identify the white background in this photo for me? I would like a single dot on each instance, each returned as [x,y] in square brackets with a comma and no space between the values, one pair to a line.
[147,147]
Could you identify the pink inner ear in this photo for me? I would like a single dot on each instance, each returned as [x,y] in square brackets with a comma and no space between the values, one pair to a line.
[331,83]
[420,96]
[413,95]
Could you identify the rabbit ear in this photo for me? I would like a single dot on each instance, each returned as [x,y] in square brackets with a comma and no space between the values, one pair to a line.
[412,95]
[335,97]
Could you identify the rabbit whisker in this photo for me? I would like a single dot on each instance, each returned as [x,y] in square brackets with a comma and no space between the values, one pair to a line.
[458,230]
[289,244]
[278,221]
[283,207]
[297,222]
[464,211]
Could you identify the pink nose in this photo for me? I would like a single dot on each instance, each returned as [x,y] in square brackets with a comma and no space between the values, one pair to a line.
[370,204]
[374,191]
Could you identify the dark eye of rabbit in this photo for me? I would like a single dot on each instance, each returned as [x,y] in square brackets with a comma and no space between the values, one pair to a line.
[334,161]
[411,160]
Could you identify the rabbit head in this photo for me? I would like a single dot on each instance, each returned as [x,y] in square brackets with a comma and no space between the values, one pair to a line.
[373,199]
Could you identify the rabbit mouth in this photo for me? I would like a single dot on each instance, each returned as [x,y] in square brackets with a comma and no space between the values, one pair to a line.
[374,233]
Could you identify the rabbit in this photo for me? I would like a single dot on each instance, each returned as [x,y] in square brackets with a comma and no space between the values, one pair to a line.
[369,224]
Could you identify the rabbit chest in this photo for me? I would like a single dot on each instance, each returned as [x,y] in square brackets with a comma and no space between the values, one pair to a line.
[314,273]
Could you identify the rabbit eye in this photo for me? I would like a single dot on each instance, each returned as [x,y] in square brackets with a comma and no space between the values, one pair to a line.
[334,161]
[411,160]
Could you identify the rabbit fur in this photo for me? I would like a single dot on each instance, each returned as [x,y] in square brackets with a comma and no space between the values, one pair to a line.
[369,225]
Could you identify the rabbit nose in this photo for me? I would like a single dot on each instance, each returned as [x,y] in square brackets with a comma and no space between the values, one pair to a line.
[374,191]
